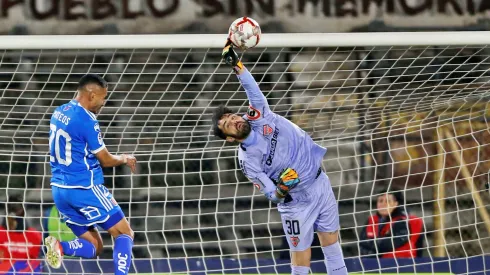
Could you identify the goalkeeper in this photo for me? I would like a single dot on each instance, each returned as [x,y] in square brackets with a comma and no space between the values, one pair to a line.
[284,163]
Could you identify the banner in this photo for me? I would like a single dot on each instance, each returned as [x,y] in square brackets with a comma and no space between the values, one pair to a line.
[214,16]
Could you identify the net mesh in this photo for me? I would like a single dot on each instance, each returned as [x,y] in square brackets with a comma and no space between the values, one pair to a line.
[415,118]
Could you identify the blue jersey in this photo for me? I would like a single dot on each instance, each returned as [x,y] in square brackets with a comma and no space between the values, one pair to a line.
[274,144]
[74,139]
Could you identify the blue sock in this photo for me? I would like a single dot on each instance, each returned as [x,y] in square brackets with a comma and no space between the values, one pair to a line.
[334,259]
[79,248]
[299,270]
[123,245]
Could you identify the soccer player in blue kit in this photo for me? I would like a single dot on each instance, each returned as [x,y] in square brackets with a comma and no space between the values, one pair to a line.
[77,155]
[284,163]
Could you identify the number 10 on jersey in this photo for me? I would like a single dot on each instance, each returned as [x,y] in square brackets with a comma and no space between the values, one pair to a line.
[54,136]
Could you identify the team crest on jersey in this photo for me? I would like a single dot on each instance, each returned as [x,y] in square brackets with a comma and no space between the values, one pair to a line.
[97,127]
[267,130]
[67,107]
[99,138]
[253,113]
[294,240]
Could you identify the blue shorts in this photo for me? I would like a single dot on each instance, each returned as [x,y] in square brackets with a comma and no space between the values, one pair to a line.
[82,209]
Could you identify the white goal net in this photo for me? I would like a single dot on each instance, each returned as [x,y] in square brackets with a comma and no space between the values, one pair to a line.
[408,116]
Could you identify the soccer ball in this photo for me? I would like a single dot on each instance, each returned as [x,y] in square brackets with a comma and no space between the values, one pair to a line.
[244,33]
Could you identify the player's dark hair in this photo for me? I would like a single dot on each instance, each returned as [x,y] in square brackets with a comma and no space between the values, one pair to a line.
[397,193]
[91,79]
[217,115]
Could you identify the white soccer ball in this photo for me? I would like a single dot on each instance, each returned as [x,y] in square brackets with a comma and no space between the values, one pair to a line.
[245,33]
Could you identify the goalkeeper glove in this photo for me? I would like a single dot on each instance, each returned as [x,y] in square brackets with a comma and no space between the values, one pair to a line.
[288,179]
[231,57]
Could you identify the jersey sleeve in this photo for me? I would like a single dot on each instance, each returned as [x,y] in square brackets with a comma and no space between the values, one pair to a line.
[93,136]
[366,239]
[35,238]
[258,103]
[261,181]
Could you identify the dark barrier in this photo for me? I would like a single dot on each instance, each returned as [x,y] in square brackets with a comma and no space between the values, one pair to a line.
[471,265]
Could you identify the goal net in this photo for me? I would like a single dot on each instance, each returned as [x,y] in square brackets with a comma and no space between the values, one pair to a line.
[393,113]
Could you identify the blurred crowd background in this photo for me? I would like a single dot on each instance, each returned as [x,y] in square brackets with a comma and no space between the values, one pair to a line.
[387,116]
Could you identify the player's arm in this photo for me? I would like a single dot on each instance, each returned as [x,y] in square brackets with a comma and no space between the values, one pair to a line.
[273,192]
[366,239]
[93,137]
[107,159]
[254,94]
[268,188]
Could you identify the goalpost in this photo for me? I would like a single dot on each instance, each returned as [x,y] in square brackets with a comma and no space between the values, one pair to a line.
[404,110]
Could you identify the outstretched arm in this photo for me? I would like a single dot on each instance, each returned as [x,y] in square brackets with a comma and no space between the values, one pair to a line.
[257,100]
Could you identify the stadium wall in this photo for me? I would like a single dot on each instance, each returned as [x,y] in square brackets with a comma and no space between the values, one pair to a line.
[426,265]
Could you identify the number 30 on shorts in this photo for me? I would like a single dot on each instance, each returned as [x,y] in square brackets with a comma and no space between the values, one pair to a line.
[292,227]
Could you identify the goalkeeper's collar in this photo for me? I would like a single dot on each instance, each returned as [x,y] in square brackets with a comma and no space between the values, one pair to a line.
[251,139]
